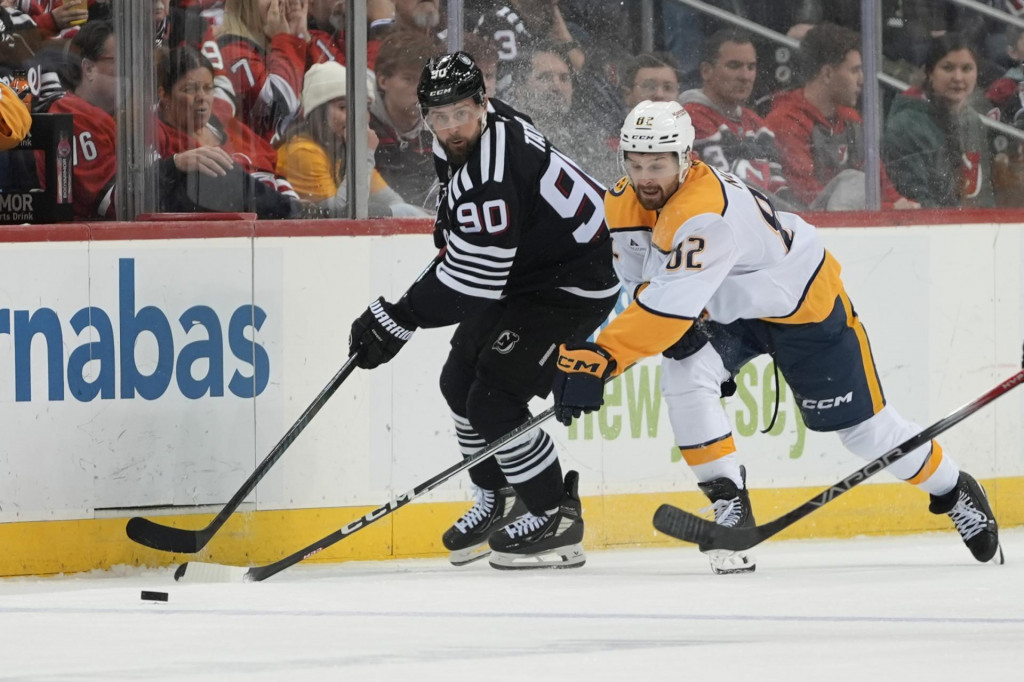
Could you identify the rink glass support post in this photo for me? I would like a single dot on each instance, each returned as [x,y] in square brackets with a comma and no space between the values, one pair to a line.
[871,50]
[135,182]
[358,116]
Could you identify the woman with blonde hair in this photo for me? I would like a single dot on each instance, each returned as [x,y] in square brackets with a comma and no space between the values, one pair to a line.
[263,44]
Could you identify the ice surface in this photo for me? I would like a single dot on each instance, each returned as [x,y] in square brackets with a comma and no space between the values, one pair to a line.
[896,608]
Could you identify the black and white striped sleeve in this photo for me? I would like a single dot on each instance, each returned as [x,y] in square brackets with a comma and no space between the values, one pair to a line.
[474,270]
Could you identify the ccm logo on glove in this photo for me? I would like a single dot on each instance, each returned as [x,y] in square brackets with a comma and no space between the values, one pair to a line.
[579,382]
[592,363]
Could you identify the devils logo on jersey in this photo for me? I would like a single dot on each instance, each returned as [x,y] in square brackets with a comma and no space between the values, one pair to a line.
[505,342]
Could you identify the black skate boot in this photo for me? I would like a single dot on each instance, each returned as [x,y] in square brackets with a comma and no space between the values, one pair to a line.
[552,540]
[467,538]
[732,510]
[967,504]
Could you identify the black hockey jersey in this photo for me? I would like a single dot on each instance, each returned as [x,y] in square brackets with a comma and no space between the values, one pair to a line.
[518,217]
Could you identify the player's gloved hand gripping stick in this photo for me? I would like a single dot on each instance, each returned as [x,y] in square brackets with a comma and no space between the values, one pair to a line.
[686,526]
[363,354]
[583,370]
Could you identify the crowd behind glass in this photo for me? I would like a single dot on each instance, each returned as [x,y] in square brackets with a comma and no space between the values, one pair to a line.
[252,107]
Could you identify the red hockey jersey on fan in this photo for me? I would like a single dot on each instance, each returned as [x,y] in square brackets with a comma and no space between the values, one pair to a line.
[327,47]
[267,83]
[814,149]
[95,158]
[740,142]
[252,153]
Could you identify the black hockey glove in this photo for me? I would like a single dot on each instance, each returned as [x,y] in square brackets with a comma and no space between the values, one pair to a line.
[693,340]
[579,383]
[376,336]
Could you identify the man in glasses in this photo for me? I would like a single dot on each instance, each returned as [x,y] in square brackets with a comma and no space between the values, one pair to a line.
[526,265]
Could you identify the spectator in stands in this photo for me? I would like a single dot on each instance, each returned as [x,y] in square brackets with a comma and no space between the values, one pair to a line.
[730,136]
[418,16]
[20,38]
[818,131]
[653,76]
[599,91]
[544,88]
[327,29]
[92,102]
[1006,95]
[485,53]
[15,119]
[1007,92]
[404,154]
[263,43]
[197,141]
[177,25]
[935,148]
[313,155]
[514,24]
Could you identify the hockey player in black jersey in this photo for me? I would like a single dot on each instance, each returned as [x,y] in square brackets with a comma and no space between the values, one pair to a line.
[527,265]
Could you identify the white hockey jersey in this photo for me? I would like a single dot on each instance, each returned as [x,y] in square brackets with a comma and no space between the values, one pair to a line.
[717,249]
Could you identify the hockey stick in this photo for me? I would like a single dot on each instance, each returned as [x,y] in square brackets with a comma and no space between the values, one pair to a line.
[184,541]
[201,571]
[691,528]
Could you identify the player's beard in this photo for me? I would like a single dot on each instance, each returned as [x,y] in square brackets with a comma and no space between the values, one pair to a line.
[457,155]
[654,201]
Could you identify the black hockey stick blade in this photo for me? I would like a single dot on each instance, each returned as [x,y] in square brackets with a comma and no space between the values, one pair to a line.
[184,541]
[204,572]
[688,527]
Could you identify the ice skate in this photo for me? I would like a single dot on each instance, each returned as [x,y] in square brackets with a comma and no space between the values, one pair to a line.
[967,504]
[552,540]
[467,538]
[732,510]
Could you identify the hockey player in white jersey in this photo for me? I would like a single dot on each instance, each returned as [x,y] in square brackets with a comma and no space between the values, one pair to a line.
[719,277]
[527,265]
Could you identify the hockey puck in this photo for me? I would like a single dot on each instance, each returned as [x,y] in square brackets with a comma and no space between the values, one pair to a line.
[154,596]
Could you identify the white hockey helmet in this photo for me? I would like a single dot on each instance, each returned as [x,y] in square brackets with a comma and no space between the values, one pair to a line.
[658,127]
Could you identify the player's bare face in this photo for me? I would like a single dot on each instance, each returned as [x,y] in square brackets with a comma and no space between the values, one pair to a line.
[655,177]
[457,127]
[189,104]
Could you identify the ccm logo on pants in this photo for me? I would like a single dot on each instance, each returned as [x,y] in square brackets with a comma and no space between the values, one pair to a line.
[827,403]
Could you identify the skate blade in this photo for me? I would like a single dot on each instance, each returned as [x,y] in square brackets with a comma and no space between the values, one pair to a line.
[998,559]
[725,562]
[461,557]
[570,556]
